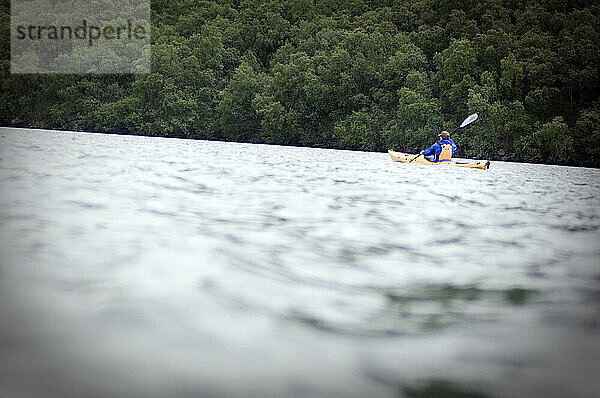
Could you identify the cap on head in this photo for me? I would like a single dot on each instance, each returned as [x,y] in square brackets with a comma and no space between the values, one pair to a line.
[444,135]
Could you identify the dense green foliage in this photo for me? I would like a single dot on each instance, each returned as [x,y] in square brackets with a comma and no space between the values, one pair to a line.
[356,74]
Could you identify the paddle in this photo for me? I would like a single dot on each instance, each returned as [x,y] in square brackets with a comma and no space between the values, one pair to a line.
[465,122]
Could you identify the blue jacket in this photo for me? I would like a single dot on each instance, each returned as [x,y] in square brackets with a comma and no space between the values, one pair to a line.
[435,150]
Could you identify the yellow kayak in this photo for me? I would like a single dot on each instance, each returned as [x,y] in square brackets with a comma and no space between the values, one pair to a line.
[407,157]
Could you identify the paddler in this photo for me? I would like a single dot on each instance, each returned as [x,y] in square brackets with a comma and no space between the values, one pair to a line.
[442,150]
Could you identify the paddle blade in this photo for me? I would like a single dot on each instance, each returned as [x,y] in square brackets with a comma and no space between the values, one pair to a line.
[469,120]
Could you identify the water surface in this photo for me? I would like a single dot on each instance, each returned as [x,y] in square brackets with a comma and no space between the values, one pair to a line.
[152,267]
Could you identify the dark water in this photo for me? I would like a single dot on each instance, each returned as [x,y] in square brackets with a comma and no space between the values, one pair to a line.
[149,267]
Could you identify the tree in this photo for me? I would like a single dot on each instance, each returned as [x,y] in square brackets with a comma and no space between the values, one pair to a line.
[457,65]
[236,117]
[360,130]
[550,142]
[587,136]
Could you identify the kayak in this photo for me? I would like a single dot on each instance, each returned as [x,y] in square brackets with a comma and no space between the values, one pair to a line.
[407,157]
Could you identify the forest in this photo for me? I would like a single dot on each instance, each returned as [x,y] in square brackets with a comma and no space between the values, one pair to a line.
[364,75]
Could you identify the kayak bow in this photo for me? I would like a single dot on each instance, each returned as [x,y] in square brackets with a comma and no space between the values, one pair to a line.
[406,158]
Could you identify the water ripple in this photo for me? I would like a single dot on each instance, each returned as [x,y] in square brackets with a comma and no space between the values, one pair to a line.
[219,255]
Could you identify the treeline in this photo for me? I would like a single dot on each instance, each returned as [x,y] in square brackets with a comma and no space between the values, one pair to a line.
[354,74]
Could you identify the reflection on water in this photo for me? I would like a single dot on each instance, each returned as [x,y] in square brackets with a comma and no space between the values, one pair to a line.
[150,267]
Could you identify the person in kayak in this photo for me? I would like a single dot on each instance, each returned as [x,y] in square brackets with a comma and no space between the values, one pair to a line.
[442,150]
